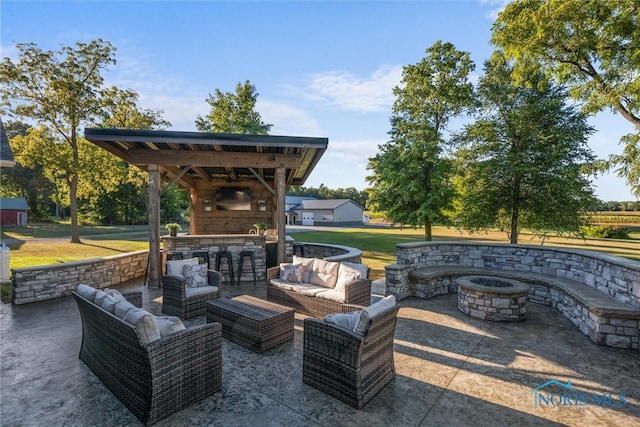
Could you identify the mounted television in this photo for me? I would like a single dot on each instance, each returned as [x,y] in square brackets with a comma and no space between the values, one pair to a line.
[233,199]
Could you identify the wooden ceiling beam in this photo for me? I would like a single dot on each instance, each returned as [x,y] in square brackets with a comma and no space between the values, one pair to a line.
[215,159]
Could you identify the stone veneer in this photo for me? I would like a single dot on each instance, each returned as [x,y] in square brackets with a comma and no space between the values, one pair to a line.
[614,276]
[327,251]
[498,304]
[188,244]
[41,283]
[33,284]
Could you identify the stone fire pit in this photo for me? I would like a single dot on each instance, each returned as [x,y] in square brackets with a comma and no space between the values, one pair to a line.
[492,298]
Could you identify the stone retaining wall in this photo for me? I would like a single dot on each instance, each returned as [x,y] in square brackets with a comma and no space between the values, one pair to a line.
[615,276]
[327,251]
[54,281]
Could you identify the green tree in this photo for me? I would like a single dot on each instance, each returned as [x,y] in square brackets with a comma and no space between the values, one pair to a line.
[590,45]
[27,182]
[122,195]
[523,158]
[411,174]
[62,90]
[234,113]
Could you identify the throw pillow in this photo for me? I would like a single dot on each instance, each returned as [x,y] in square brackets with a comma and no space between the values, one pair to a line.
[307,266]
[115,294]
[87,292]
[325,273]
[122,308]
[345,320]
[169,325]
[195,275]
[373,311]
[100,295]
[175,267]
[291,273]
[109,303]
[145,324]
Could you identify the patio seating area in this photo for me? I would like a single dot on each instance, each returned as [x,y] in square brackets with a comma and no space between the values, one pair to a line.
[451,369]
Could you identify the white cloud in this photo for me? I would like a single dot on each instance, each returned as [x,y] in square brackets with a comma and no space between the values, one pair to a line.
[180,101]
[497,6]
[287,119]
[349,91]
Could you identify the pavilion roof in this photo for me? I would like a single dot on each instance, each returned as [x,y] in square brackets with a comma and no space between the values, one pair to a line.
[193,157]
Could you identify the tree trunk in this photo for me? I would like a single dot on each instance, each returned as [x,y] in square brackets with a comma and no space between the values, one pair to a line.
[514,226]
[73,189]
[428,236]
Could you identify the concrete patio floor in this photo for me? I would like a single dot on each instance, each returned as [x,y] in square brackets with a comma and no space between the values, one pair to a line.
[452,370]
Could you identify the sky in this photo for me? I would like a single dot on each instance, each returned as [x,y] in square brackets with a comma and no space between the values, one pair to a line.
[321,68]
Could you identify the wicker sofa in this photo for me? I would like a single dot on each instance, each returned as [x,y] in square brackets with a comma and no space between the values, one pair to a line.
[156,379]
[319,300]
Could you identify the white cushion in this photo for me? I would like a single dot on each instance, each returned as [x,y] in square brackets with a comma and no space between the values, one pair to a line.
[308,289]
[374,310]
[291,273]
[145,324]
[100,295]
[325,273]
[109,303]
[175,267]
[279,283]
[343,280]
[190,292]
[122,308]
[360,270]
[115,294]
[345,320]
[169,325]
[331,295]
[307,266]
[87,292]
[195,276]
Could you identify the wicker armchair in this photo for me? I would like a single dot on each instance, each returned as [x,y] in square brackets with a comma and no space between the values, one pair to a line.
[178,300]
[350,367]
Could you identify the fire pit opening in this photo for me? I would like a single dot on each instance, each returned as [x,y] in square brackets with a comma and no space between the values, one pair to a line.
[493,283]
[492,298]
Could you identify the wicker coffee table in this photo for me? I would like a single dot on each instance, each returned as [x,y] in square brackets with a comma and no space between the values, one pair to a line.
[253,323]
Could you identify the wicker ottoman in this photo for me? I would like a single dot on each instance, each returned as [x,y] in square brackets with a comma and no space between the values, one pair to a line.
[253,323]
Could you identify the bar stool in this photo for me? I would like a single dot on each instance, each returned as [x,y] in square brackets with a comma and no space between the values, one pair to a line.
[203,257]
[241,258]
[227,255]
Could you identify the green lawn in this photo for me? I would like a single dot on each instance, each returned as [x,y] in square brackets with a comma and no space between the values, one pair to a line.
[49,243]
[377,243]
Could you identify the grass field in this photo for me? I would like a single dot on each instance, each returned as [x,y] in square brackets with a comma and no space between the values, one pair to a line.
[49,243]
[29,248]
[378,244]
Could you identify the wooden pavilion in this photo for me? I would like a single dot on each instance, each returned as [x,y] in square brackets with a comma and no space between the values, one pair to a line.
[234,180]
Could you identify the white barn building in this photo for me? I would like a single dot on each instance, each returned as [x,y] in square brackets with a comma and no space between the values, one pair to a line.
[333,212]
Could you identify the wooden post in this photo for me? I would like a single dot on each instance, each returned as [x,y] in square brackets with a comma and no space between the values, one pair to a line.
[155,259]
[281,189]
[193,211]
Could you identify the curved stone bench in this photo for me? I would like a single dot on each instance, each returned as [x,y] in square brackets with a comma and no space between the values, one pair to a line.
[599,293]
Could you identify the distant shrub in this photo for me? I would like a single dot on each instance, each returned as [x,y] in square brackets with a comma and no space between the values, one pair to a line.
[606,232]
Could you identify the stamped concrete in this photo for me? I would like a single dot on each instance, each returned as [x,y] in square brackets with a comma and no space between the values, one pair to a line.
[452,369]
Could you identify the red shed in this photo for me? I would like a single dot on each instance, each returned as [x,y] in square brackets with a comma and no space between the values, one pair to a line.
[13,212]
